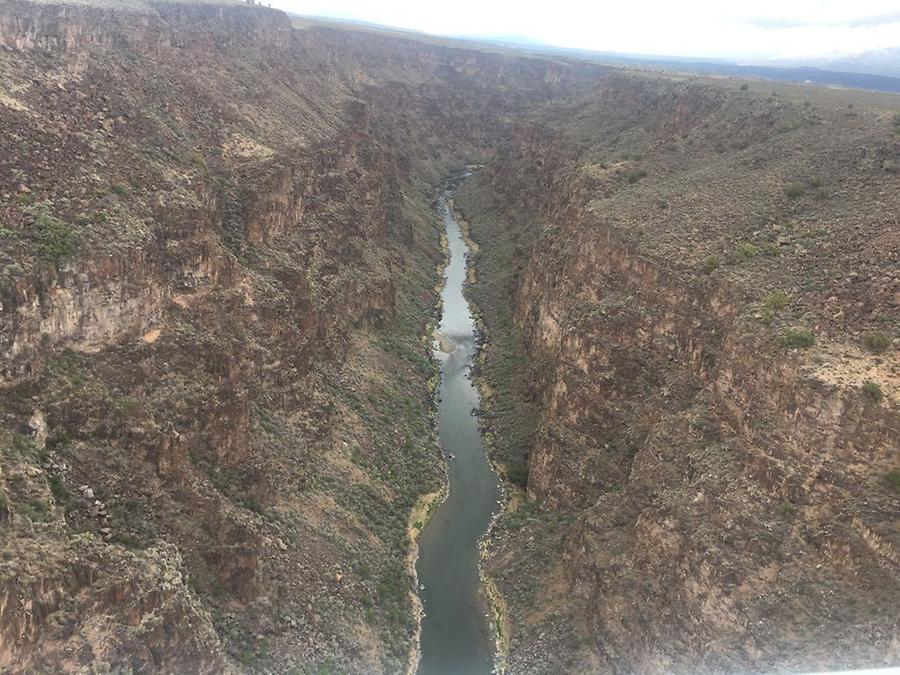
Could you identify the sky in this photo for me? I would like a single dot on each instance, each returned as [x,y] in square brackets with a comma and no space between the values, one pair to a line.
[747,30]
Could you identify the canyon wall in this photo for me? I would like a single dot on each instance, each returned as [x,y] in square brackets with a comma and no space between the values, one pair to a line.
[705,490]
[217,263]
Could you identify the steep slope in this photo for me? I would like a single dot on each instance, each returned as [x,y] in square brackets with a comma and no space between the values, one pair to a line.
[710,487]
[218,261]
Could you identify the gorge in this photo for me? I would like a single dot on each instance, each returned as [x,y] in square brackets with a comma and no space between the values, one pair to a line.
[223,430]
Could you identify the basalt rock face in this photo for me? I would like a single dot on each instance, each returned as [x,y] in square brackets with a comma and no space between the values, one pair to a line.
[217,258]
[706,491]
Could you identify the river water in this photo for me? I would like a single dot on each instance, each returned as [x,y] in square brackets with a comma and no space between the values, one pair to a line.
[456,636]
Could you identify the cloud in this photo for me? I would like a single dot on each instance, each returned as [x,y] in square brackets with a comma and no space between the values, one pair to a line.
[762,29]
[860,22]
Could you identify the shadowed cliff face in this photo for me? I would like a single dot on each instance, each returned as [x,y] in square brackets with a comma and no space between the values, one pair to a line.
[706,490]
[217,263]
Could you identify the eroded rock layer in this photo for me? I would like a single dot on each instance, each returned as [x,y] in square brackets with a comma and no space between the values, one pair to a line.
[703,286]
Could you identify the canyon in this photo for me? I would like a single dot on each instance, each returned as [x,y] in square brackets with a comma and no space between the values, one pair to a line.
[220,269]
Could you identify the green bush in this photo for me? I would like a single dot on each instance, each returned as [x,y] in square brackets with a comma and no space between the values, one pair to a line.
[711,264]
[746,251]
[635,176]
[794,190]
[773,303]
[38,511]
[59,490]
[55,239]
[196,158]
[893,480]
[873,391]
[877,342]
[12,270]
[797,338]
[517,474]
[119,188]
[777,300]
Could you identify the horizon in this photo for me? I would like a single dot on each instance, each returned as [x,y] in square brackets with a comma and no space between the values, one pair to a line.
[769,32]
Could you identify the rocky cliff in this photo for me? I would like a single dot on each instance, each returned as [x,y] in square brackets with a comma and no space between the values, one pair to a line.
[705,297]
[217,263]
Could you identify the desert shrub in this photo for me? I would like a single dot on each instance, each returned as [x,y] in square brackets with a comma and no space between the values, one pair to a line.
[892,479]
[197,159]
[794,190]
[12,270]
[391,586]
[897,123]
[38,511]
[877,342]
[635,176]
[777,300]
[58,489]
[816,182]
[773,303]
[746,251]
[517,473]
[711,264]
[744,87]
[59,440]
[119,188]
[797,338]
[55,239]
[873,391]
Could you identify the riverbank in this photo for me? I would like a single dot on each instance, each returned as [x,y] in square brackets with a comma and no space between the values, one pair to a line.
[419,517]
[500,374]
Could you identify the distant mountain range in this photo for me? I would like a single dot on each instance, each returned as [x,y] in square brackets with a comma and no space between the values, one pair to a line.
[881,62]
[877,70]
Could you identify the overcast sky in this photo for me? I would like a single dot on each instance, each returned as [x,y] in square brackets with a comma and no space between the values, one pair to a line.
[754,29]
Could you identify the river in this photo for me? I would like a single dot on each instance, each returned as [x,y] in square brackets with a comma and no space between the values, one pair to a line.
[456,636]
